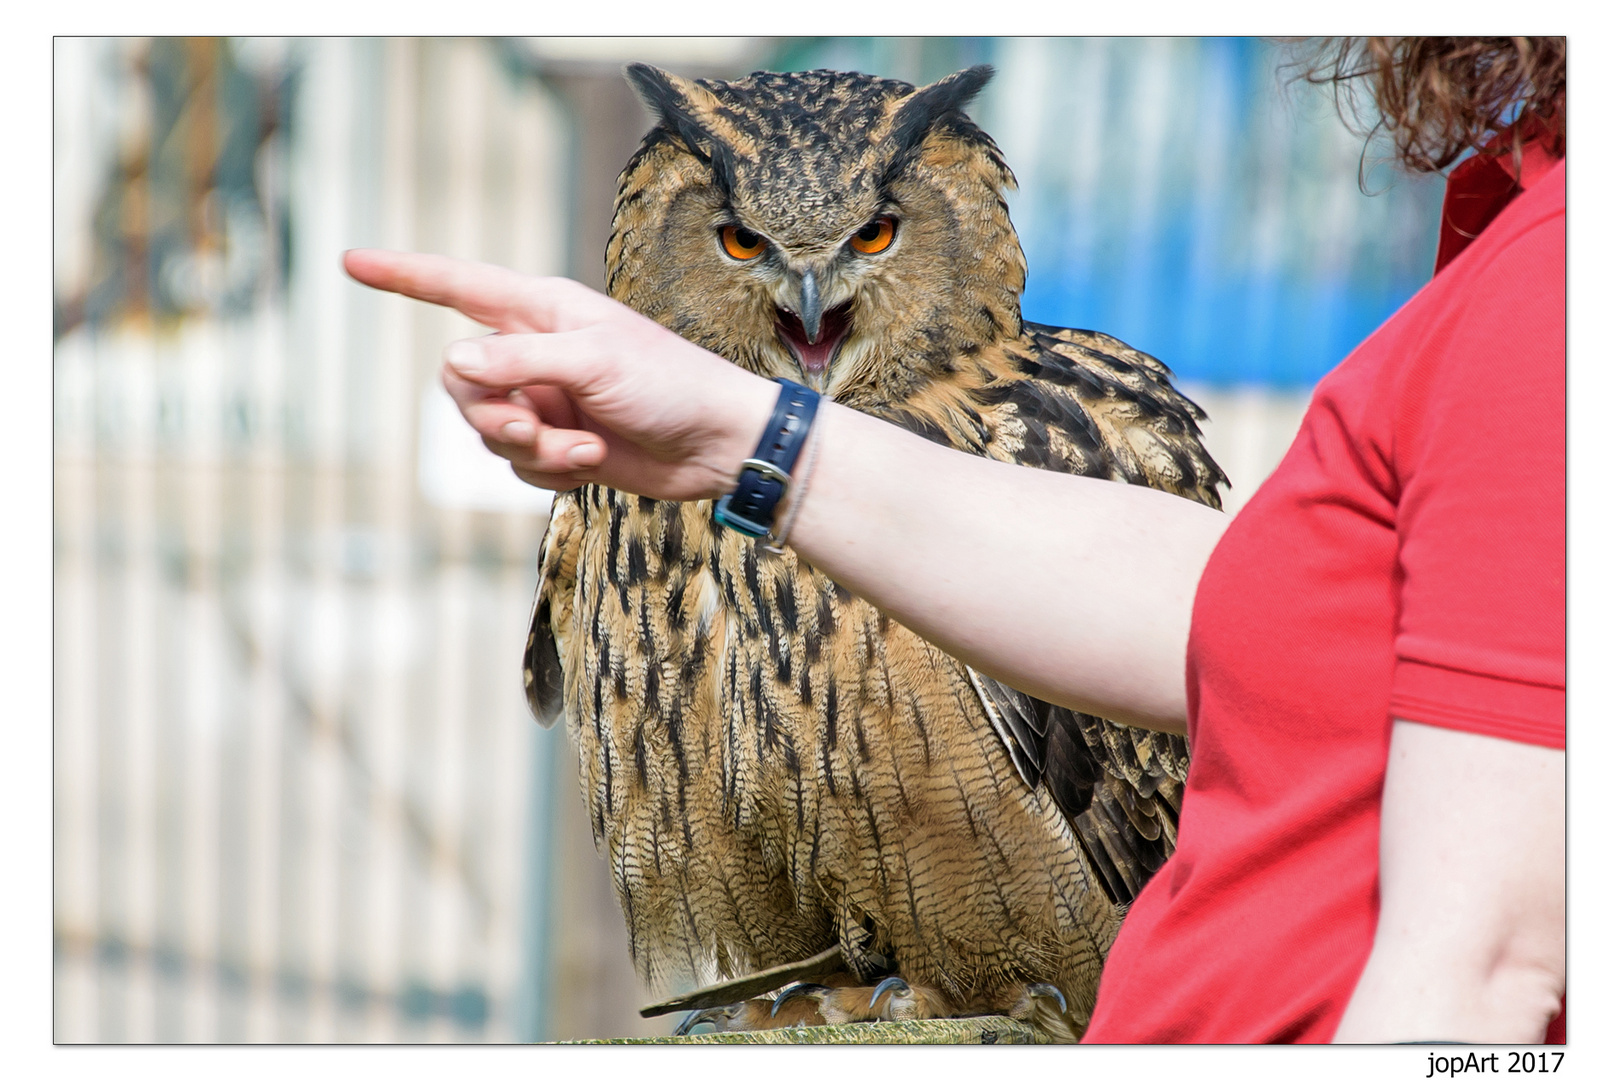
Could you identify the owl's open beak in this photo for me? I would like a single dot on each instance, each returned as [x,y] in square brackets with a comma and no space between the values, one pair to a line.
[814,334]
[814,349]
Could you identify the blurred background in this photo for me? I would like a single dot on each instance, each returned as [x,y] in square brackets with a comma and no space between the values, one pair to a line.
[298,796]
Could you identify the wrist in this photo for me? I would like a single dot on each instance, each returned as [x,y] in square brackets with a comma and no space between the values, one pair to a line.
[737,421]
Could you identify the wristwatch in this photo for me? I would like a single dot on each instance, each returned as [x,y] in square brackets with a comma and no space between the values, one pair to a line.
[750,508]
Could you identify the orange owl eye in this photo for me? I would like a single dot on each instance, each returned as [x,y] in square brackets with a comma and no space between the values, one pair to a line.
[741,243]
[875,236]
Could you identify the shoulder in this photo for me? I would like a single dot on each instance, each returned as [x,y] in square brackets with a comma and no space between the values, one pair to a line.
[1497,313]
[1476,353]
[1493,318]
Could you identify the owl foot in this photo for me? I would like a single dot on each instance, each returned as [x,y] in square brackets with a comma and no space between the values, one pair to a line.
[806,1004]
[1038,1004]
[892,999]
[815,1004]
[751,1015]
[797,1006]
[896,999]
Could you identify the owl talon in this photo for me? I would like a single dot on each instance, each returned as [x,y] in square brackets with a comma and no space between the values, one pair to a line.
[907,1002]
[892,983]
[797,990]
[1038,1004]
[703,1016]
[1041,989]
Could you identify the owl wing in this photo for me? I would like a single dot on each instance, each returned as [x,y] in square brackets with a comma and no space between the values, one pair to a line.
[559,569]
[1119,787]
[1080,402]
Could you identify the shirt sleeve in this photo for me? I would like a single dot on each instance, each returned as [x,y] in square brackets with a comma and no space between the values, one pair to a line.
[1479,453]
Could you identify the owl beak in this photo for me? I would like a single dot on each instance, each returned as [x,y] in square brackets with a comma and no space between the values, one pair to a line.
[810,307]
[812,332]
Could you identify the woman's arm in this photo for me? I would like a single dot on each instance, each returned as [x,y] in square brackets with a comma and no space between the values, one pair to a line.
[1076,590]
[1470,941]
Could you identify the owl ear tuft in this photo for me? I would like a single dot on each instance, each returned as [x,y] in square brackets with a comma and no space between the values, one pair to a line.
[925,108]
[674,102]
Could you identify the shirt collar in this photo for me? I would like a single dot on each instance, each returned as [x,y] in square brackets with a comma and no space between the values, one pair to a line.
[1478,189]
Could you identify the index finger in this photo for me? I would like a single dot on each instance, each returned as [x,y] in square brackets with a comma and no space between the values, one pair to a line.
[499,298]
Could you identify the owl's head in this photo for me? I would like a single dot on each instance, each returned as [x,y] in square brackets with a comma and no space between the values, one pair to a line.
[835,228]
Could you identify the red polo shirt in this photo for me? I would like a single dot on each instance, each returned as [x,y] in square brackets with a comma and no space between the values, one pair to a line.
[1405,560]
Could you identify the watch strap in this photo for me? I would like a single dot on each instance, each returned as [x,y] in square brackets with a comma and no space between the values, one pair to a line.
[750,508]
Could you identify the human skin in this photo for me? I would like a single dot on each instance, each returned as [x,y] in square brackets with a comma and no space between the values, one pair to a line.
[574,388]
[1470,939]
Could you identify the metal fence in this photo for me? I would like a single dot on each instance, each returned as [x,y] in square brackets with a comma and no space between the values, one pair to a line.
[296,785]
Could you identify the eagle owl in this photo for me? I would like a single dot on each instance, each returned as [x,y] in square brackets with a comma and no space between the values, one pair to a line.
[771,765]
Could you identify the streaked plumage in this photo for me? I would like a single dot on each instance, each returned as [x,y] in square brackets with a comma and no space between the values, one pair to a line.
[770,764]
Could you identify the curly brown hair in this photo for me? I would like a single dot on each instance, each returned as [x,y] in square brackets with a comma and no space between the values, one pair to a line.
[1440,97]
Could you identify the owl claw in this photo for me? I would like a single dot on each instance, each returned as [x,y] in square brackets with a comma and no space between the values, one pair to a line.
[797,990]
[1041,989]
[702,1016]
[893,982]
